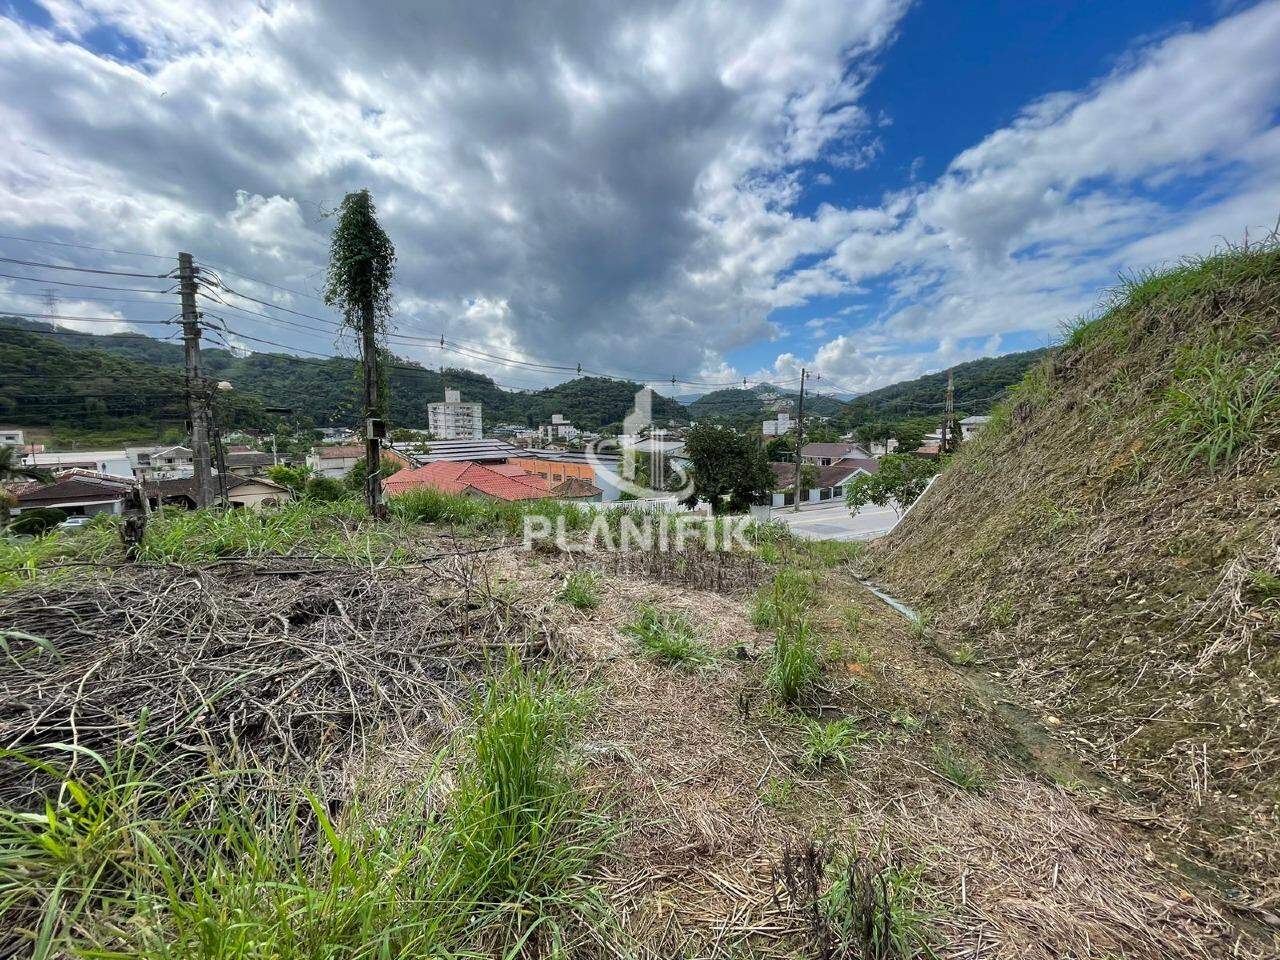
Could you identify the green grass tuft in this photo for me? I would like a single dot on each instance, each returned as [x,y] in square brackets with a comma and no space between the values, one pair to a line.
[669,637]
[963,773]
[1220,407]
[796,665]
[830,742]
[582,590]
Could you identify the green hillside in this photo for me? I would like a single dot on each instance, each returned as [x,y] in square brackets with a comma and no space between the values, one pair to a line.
[742,408]
[979,385]
[130,381]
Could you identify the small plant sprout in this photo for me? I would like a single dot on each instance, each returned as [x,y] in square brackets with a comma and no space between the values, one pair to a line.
[831,742]
[963,773]
[669,637]
[582,590]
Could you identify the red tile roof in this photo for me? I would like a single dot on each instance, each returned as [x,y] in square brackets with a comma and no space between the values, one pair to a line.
[461,476]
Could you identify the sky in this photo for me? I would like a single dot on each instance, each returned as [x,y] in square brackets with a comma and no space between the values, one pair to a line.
[703,191]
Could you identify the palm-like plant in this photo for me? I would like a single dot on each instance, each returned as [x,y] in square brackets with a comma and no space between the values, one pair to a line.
[13,469]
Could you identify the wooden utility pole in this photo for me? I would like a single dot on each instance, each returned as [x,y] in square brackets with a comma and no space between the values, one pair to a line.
[372,443]
[795,484]
[947,416]
[198,395]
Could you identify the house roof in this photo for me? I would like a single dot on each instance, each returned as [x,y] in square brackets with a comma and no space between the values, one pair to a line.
[575,488]
[248,458]
[973,421]
[75,487]
[186,486]
[829,476]
[450,476]
[459,451]
[340,452]
[834,450]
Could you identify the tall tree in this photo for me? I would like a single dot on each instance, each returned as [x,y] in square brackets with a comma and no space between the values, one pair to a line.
[11,471]
[729,471]
[362,263]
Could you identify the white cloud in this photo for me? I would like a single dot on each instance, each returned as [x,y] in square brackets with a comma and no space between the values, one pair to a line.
[616,185]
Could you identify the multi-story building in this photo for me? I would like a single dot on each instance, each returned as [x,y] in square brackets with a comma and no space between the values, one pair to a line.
[453,419]
[11,437]
[160,463]
[778,426]
[558,429]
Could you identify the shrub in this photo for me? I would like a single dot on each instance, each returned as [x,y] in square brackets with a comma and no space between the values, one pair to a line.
[326,490]
[37,522]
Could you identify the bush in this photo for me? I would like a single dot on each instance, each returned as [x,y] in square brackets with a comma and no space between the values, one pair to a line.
[37,522]
[326,490]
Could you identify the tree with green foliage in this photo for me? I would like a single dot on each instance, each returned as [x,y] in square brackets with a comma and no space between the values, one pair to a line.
[326,490]
[356,475]
[898,483]
[909,436]
[293,478]
[808,478]
[729,471]
[780,449]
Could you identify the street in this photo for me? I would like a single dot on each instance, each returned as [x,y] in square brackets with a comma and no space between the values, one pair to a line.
[831,521]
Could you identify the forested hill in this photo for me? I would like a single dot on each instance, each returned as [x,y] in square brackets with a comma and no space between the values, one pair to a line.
[53,377]
[745,407]
[979,384]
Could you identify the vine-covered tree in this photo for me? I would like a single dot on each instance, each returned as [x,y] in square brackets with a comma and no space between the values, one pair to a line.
[362,263]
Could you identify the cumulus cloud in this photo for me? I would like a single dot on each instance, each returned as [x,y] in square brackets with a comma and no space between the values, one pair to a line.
[617,184]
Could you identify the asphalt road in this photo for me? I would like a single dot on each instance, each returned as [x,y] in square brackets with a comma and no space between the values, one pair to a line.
[831,521]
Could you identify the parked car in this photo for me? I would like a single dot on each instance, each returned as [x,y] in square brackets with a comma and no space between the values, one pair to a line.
[74,523]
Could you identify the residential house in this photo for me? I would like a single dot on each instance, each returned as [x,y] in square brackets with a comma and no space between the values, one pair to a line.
[11,437]
[830,482]
[157,463]
[248,493]
[506,482]
[826,454]
[558,465]
[114,463]
[336,461]
[78,493]
[778,426]
[453,419]
[247,463]
[971,425]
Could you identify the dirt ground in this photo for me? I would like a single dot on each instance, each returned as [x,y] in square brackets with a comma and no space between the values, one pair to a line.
[1039,860]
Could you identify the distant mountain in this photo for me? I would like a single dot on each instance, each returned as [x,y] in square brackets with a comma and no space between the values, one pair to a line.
[742,407]
[979,385]
[45,371]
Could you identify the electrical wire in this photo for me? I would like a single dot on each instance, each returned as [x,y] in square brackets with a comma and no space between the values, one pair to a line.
[87,286]
[85,246]
[54,316]
[113,273]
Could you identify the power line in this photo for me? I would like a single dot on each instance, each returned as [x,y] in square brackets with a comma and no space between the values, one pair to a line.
[85,246]
[56,266]
[87,286]
[55,316]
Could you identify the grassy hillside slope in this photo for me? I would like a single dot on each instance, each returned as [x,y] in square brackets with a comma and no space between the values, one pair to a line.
[1111,545]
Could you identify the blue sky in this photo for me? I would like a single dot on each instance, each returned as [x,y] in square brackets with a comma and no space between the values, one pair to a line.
[656,189]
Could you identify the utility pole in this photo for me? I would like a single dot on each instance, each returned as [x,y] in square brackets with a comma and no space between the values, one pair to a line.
[946,417]
[199,398]
[795,485]
[372,423]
